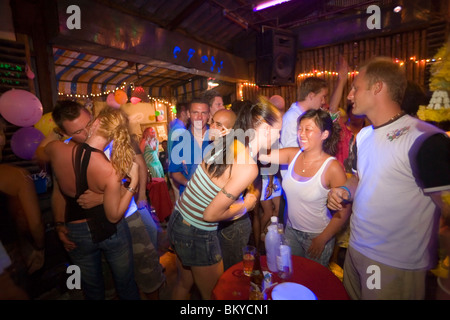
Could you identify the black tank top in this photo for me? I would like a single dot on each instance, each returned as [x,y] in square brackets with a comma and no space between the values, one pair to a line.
[100,227]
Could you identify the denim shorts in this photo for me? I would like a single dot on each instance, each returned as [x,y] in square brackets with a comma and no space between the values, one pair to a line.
[193,246]
[300,242]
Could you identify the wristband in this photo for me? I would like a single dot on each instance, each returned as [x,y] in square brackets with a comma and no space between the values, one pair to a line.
[133,191]
[349,193]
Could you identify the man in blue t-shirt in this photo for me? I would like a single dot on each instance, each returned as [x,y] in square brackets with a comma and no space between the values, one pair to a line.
[188,148]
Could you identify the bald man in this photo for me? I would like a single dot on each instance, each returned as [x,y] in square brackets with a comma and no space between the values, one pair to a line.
[221,123]
[278,101]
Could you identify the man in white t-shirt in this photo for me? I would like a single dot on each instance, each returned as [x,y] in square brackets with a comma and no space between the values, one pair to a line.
[311,94]
[401,169]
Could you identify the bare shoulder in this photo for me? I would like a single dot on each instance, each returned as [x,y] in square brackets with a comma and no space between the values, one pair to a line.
[57,147]
[291,152]
[335,173]
[248,171]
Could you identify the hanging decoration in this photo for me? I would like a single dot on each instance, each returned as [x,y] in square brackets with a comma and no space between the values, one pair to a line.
[438,109]
[20,107]
[139,95]
[25,141]
[46,124]
[111,101]
[29,72]
[120,96]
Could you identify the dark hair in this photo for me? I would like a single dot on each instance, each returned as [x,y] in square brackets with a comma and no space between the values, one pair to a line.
[239,104]
[66,110]
[210,95]
[248,117]
[325,123]
[197,100]
[181,106]
[415,96]
[310,84]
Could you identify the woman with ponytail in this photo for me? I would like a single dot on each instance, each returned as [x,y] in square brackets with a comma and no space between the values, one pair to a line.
[216,193]
[312,171]
[100,229]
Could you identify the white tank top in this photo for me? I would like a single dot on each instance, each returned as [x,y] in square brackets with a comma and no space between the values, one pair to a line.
[307,200]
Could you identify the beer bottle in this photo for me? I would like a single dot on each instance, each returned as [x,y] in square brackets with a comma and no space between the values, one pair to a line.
[256,281]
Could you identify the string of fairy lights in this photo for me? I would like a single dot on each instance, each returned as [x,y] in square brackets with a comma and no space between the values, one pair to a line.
[157,101]
[311,73]
[350,74]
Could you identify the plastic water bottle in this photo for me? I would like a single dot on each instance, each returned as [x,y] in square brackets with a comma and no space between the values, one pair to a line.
[272,243]
[284,259]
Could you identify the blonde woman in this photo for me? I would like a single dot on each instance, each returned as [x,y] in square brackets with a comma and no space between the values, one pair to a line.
[100,229]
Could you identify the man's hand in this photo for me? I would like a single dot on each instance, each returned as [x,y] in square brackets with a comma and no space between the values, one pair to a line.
[90,199]
[62,234]
[336,197]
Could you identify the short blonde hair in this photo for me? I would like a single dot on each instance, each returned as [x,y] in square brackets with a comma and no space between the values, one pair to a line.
[385,70]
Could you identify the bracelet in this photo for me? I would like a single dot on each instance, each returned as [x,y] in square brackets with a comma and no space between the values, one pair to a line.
[349,193]
[133,191]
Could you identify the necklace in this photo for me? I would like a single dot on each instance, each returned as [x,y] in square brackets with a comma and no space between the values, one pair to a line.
[305,162]
[397,116]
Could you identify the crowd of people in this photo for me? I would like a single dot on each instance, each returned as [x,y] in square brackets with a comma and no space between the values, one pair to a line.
[371,180]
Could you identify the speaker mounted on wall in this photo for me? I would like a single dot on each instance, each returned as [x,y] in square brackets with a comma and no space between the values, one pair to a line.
[275,57]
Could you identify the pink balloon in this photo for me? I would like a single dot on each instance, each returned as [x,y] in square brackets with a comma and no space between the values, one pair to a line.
[20,107]
[111,101]
[25,141]
[135,100]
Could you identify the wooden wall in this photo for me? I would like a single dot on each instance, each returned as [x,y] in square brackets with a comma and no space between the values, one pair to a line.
[412,49]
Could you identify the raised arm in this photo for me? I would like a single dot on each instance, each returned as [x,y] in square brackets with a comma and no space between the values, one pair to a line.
[339,90]
[279,156]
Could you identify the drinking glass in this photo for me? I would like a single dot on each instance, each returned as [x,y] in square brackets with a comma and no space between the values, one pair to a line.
[249,253]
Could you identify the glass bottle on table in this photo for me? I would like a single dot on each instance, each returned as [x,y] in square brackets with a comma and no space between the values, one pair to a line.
[256,281]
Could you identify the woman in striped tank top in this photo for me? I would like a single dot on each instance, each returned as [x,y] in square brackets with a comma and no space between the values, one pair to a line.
[214,194]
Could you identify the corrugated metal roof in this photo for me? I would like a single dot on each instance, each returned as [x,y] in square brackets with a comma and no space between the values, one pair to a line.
[229,25]
[79,73]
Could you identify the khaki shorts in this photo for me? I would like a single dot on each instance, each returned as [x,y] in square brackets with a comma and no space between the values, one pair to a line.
[367,279]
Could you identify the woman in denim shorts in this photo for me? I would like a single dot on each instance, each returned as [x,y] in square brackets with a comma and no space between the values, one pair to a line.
[212,193]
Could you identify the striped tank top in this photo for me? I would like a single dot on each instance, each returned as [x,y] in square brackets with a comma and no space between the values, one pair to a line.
[199,193]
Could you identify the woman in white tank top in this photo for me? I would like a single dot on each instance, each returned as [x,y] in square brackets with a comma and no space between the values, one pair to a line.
[312,171]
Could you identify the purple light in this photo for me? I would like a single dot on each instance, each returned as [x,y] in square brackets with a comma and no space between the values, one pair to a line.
[268,4]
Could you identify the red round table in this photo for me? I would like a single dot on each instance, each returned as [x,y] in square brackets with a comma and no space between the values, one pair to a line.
[234,285]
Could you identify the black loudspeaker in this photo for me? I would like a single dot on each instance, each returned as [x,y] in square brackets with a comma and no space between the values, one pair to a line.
[275,58]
